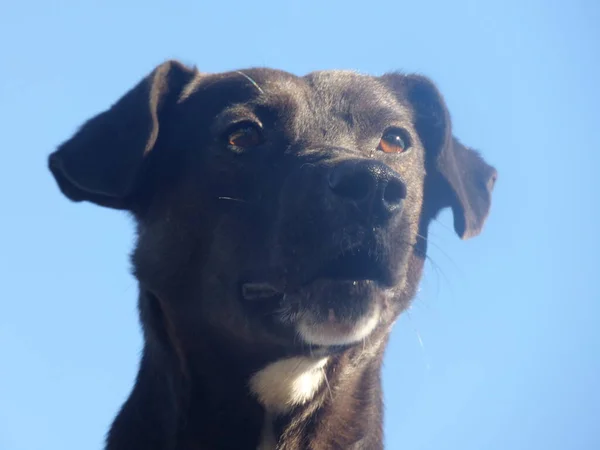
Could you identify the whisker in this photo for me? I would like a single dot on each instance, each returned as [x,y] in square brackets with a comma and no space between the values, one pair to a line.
[233,199]
[425,356]
[327,383]
[437,268]
[254,83]
[442,251]
[365,344]
[443,225]
[438,271]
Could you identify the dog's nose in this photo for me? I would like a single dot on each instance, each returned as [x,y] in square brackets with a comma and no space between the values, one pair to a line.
[374,187]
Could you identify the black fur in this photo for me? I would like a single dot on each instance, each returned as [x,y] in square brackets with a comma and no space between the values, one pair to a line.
[315,210]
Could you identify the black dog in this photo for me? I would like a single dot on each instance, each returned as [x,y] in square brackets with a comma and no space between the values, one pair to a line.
[282,228]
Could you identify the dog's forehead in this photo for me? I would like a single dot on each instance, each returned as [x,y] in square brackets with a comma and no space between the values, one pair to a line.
[343,87]
[342,90]
[325,98]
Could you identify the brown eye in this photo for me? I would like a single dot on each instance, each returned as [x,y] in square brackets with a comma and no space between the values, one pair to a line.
[393,141]
[245,135]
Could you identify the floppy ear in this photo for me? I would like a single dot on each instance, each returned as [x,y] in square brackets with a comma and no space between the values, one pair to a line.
[101,163]
[471,181]
[457,176]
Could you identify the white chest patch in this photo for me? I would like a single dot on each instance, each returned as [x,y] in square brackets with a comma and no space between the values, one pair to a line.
[287,383]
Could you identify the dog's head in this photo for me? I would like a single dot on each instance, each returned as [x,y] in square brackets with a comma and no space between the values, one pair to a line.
[276,210]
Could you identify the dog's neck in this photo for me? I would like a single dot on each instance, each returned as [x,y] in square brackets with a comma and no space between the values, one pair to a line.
[220,399]
[332,402]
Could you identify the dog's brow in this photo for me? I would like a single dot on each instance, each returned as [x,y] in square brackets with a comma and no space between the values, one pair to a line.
[254,83]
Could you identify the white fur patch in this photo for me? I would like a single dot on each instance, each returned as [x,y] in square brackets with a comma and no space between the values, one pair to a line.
[287,383]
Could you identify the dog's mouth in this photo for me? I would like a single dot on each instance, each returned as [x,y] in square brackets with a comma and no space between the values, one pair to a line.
[335,305]
[358,264]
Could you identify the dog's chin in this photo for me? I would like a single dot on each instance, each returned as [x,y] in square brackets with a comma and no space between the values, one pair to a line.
[335,332]
[333,313]
[322,317]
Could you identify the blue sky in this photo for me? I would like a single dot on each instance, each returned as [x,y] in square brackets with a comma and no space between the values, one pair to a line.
[502,346]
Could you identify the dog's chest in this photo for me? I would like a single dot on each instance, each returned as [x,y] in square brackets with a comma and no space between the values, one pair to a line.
[282,385]
[287,383]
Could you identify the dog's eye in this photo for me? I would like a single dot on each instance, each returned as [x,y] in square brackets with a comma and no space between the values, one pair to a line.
[393,141]
[245,135]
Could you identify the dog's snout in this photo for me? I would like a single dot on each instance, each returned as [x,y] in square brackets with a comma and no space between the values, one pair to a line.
[373,186]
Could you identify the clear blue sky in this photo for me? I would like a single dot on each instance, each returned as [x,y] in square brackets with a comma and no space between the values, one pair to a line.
[509,322]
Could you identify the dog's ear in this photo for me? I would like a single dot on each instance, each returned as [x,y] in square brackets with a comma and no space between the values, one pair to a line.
[101,163]
[457,176]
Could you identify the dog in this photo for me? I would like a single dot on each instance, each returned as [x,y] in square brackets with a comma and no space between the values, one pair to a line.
[282,227]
